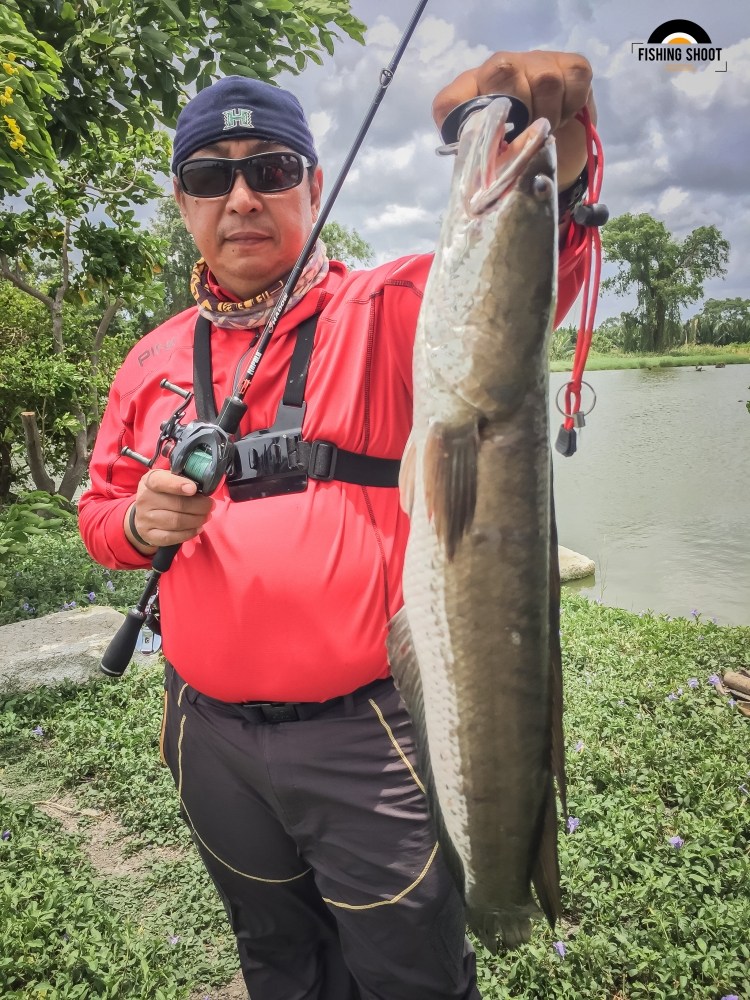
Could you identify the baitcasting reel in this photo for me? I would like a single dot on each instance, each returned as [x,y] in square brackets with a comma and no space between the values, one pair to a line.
[199,451]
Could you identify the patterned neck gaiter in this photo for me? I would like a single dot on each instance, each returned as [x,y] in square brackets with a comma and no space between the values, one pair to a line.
[254,312]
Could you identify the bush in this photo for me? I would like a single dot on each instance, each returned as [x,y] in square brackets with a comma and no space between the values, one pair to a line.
[54,572]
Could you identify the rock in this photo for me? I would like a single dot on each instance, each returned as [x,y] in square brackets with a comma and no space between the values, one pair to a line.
[574,566]
[67,645]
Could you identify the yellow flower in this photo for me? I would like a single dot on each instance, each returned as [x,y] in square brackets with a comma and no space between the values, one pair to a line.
[6,97]
[9,68]
[12,125]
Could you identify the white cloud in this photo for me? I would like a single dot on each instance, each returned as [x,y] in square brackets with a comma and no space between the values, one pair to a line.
[672,199]
[396,216]
[676,145]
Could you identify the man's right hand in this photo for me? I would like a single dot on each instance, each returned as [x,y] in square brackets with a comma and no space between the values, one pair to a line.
[168,511]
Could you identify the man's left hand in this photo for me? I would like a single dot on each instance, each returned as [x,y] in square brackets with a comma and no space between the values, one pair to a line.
[552,85]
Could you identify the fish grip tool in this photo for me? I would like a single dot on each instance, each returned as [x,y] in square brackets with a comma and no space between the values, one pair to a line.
[203,451]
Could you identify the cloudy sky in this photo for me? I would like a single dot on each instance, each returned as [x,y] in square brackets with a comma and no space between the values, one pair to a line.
[677,144]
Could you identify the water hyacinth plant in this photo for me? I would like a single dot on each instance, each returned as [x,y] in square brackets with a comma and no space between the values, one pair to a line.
[654,873]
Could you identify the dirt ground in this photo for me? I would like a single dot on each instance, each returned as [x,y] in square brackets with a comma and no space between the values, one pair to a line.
[101,832]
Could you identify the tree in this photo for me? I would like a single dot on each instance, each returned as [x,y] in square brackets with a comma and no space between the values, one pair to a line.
[82,85]
[721,321]
[78,251]
[345,245]
[29,79]
[85,65]
[666,273]
[178,259]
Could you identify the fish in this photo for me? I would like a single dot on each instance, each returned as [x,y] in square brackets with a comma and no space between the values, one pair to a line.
[475,649]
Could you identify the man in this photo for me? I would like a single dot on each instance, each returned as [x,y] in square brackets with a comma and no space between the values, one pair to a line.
[290,748]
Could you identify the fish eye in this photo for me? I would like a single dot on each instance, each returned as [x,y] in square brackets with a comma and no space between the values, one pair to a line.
[542,187]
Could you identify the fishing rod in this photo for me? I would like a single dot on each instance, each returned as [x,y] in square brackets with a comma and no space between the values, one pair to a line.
[202,451]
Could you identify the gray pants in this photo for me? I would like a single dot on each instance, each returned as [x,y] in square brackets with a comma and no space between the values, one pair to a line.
[317,837]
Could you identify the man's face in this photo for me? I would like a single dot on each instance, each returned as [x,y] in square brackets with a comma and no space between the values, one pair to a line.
[250,240]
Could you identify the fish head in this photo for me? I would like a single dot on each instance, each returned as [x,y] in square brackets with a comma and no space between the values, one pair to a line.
[495,265]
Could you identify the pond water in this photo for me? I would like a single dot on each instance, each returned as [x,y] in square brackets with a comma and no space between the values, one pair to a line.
[658,493]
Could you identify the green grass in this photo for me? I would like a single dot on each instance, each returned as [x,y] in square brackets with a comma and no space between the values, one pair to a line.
[55,571]
[644,919]
[680,357]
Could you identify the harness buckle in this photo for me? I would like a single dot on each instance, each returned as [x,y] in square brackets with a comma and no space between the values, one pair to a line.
[322,462]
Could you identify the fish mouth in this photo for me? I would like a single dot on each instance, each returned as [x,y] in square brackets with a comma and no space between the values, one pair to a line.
[494,166]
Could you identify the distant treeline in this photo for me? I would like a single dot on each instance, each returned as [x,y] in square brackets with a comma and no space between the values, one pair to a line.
[719,323]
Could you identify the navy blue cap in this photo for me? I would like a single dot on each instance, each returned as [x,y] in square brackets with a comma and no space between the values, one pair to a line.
[238,107]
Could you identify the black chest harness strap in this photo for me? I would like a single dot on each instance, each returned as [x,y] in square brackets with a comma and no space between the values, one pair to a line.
[280,453]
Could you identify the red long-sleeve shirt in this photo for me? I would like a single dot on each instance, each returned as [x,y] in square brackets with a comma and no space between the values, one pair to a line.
[286,598]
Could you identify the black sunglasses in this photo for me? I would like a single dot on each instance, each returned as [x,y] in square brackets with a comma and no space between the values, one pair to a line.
[213,176]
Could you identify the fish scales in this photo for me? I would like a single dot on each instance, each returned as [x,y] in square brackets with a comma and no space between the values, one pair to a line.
[472,651]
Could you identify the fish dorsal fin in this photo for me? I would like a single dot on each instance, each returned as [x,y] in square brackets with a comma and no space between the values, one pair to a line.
[405,669]
[450,476]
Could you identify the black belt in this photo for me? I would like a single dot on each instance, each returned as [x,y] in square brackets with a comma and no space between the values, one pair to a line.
[272,712]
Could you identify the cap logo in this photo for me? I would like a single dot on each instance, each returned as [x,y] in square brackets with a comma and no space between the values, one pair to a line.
[238,118]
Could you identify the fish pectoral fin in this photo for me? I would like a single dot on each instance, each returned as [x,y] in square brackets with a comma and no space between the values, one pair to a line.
[405,669]
[450,475]
[407,476]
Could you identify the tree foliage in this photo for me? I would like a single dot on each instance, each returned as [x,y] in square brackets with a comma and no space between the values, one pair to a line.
[721,321]
[82,65]
[345,245]
[77,251]
[29,82]
[666,273]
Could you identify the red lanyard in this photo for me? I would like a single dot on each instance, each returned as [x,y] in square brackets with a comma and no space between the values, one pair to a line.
[591,214]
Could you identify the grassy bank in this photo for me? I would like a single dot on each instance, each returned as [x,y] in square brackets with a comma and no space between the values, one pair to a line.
[107,900]
[691,355]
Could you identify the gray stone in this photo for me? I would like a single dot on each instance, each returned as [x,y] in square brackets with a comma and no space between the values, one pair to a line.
[67,645]
[574,566]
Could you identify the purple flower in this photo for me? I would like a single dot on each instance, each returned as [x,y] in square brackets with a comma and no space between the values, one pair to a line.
[732,702]
[693,682]
[559,948]
[695,612]
[91,596]
[110,586]
[714,679]
[731,996]
[5,835]
[579,746]
[676,842]
[174,939]
[37,731]
[714,619]
[672,697]
[573,823]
